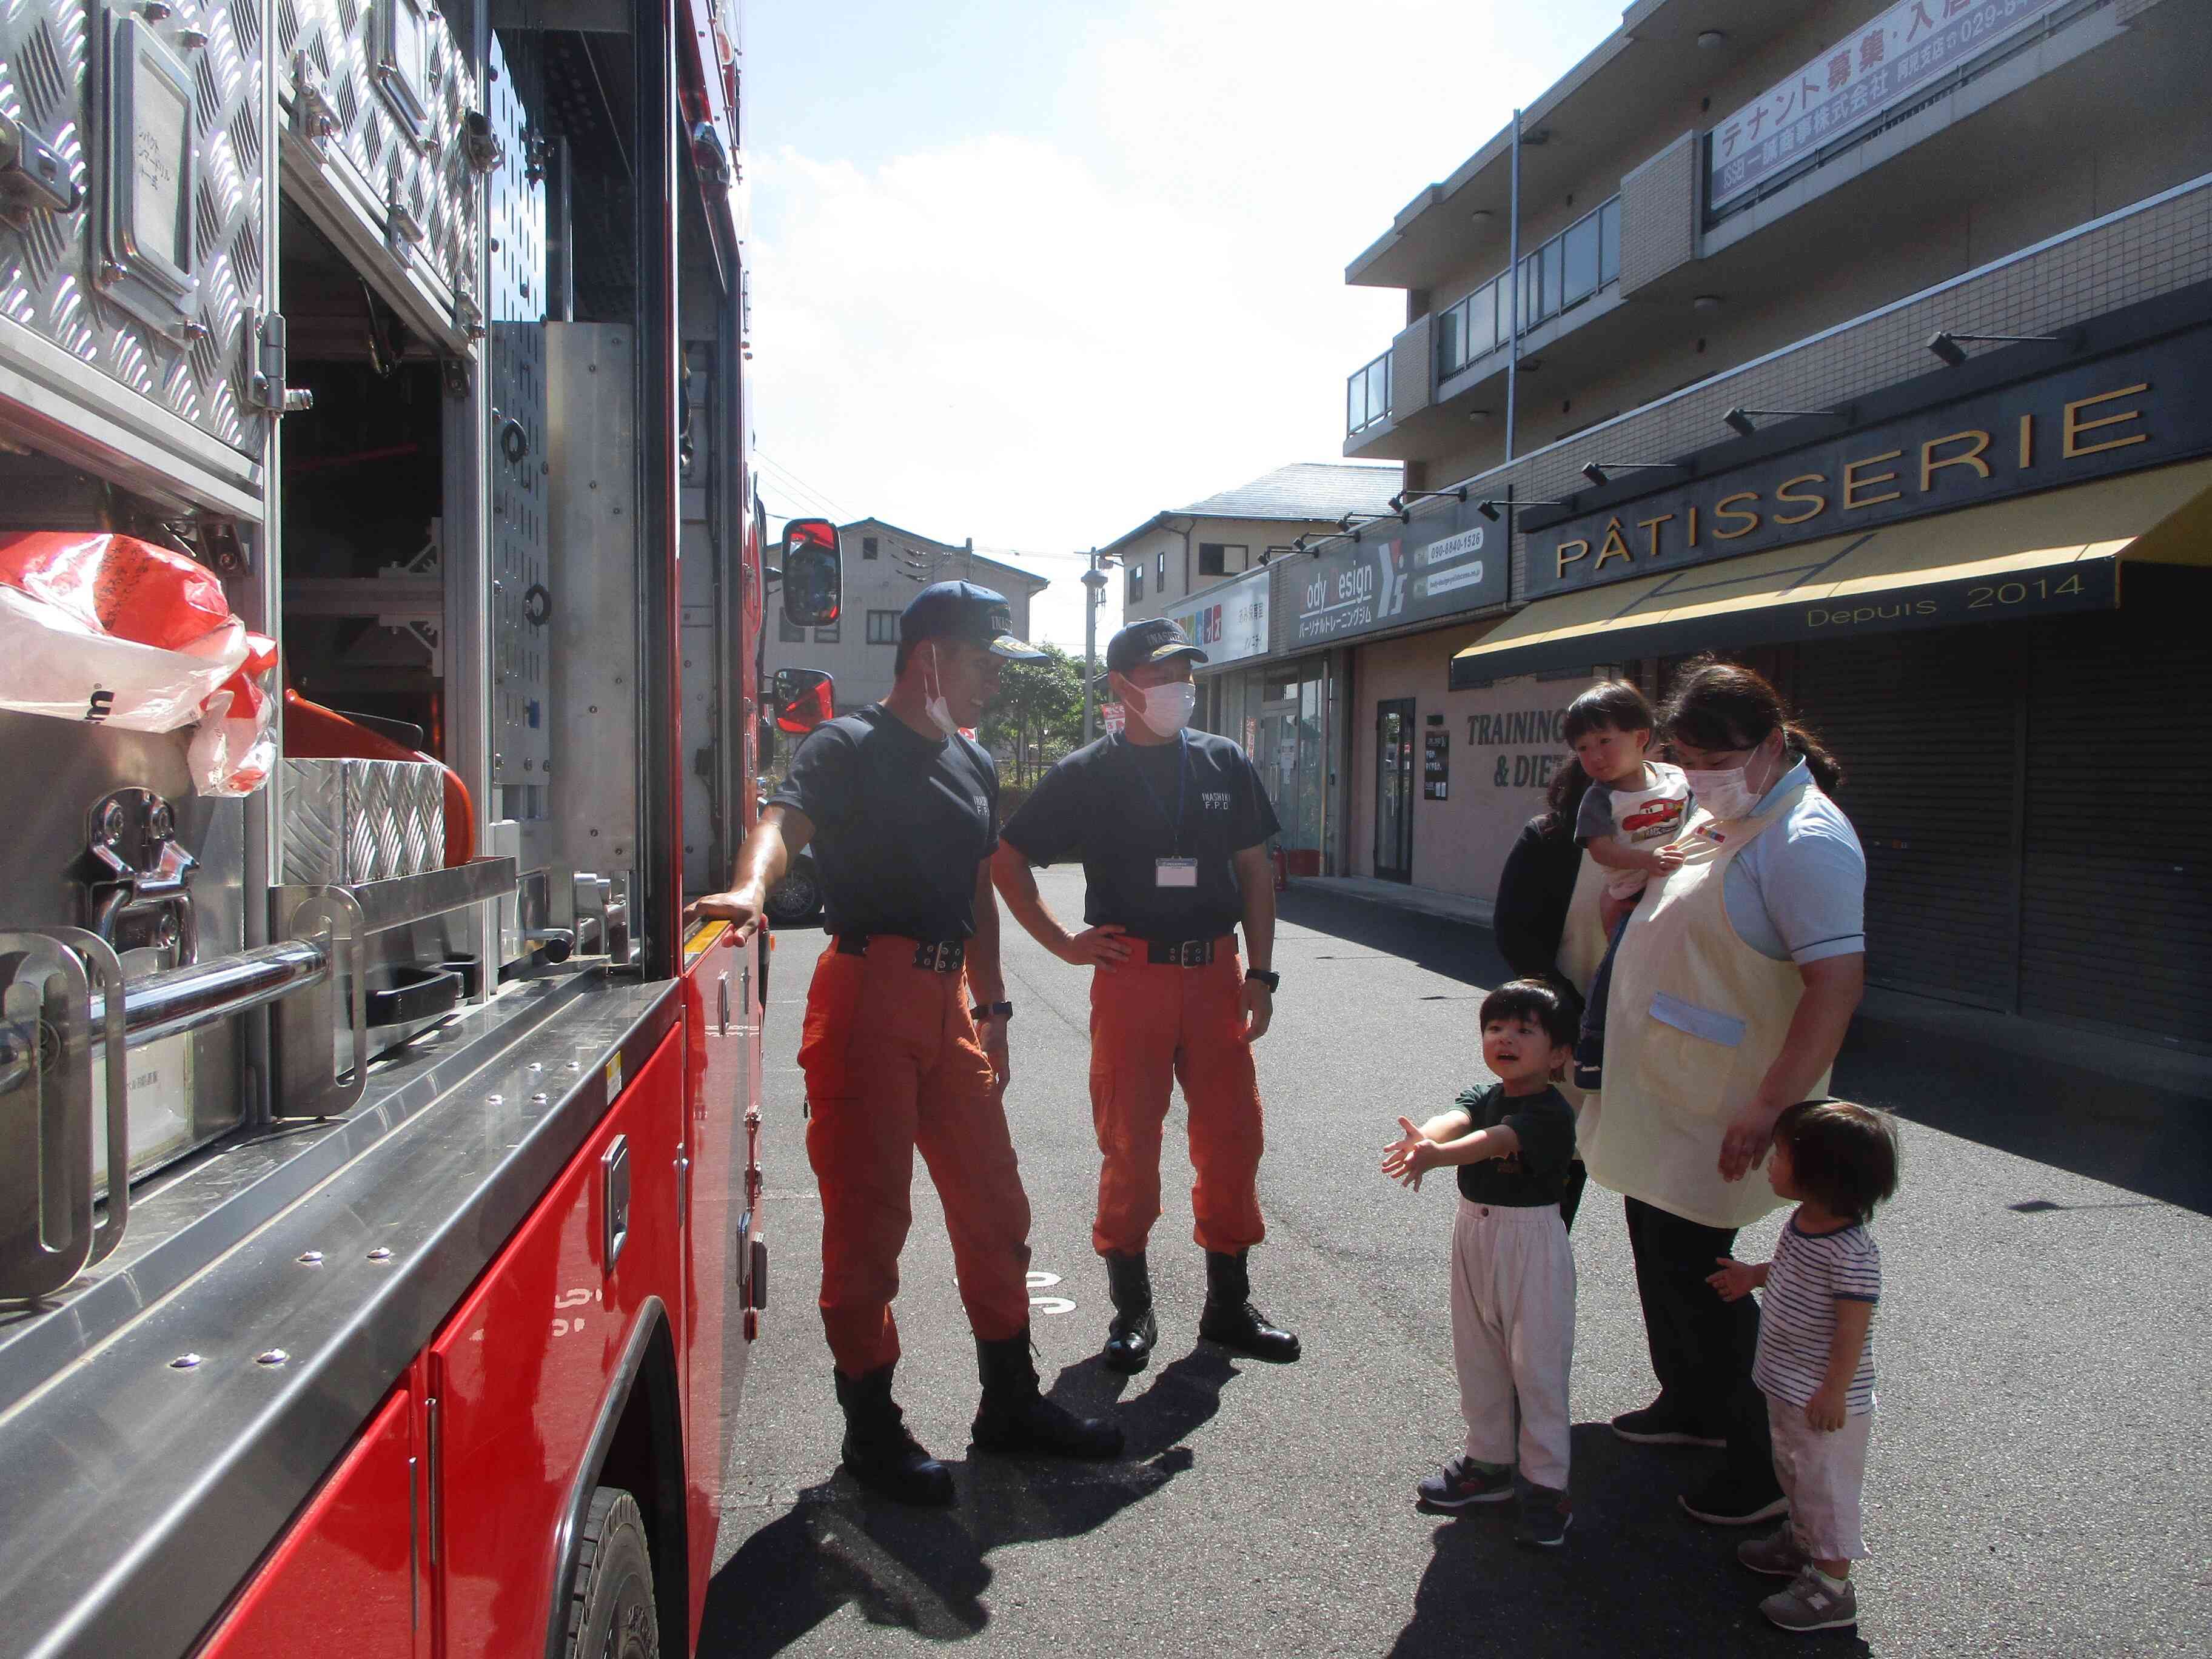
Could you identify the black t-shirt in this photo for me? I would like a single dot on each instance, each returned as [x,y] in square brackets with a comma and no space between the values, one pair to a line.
[901,822]
[1538,1173]
[1115,804]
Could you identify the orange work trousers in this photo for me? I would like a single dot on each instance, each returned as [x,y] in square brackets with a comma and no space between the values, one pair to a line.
[1152,1026]
[893,1064]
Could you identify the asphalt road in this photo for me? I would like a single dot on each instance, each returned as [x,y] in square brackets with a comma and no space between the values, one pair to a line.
[2040,1476]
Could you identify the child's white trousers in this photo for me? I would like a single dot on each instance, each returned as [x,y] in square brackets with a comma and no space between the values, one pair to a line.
[1822,1472]
[1513,1334]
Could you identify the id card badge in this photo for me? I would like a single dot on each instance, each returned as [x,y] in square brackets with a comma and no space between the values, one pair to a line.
[1175,872]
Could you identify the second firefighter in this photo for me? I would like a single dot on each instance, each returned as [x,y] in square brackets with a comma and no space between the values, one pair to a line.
[1171,826]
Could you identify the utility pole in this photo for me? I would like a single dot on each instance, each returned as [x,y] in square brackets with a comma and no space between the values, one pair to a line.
[1094,583]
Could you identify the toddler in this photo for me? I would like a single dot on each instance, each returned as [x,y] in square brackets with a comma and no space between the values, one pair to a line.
[1634,810]
[1512,1272]
[1815,1363]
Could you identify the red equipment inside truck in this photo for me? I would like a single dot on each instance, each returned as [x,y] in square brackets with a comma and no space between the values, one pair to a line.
[381,1248]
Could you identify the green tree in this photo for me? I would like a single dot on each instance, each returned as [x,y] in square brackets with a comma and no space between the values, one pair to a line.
[1038,713]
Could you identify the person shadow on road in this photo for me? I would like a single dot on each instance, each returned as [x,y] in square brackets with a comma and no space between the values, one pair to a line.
[927,1570]
[1634,1575]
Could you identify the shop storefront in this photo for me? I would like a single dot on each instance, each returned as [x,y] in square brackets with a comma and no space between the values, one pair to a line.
[1986,589]
[1283,714]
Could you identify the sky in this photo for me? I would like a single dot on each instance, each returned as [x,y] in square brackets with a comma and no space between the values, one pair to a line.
[1033,272]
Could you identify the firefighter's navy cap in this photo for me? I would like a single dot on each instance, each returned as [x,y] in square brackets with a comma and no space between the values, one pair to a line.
[962,610]
[1149,642]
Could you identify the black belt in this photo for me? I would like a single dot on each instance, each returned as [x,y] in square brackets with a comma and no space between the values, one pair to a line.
[943,957]
[1180,953]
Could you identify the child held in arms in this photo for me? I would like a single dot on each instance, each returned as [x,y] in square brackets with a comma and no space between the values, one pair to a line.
[1512,1272]
[1815,1359]
[1634,809]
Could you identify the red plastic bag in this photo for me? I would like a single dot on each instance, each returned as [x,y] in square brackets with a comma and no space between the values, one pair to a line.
[113,631]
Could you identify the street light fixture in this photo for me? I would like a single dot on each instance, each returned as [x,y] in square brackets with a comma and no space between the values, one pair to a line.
[1945,344]
[1489,509]
[1739,420]
[1596,471]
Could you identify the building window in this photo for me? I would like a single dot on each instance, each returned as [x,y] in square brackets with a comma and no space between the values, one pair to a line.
[826,635]
[882,627]
[788,632]
[867,547]
[1136,581]
[1220,559]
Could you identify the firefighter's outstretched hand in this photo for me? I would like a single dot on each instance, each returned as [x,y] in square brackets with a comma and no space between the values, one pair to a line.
[1259,1010]
[741,909]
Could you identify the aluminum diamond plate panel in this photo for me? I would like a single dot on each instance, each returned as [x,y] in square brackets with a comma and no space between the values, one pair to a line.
[521,732]
[54,270]
[348,821]
[396,155]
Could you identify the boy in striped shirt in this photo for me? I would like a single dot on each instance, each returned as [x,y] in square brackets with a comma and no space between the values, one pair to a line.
[1815,1362]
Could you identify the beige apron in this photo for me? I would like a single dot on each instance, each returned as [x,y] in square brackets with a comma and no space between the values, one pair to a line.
[1695,1019]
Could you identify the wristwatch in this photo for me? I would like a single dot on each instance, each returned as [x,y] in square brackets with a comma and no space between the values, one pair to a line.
[983,1010]
[1272,981]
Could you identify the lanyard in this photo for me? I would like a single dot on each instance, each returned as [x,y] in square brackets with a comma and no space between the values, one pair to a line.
[1182,784]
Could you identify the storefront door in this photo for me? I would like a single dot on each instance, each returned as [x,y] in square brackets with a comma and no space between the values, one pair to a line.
[1393,789]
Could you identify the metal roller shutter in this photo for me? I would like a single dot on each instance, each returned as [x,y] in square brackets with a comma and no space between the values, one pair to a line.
[2117,890]
[1925,726]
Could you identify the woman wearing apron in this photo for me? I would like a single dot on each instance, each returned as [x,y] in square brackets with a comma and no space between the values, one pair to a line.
[1732,989]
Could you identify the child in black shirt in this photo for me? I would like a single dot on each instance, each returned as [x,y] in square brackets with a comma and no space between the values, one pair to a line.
[1513,1275]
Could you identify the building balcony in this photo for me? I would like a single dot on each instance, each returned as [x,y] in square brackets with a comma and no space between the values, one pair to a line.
[1571,280]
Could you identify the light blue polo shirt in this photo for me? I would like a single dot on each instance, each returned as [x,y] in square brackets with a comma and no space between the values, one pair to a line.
[1797,892]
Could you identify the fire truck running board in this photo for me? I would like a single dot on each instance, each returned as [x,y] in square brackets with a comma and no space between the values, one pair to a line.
[356,1248]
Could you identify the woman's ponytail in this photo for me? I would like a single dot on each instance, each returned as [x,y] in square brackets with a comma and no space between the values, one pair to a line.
[1827,771]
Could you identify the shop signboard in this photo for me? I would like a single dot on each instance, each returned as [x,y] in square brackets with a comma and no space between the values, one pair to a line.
[1229,621]
[1892,58]
[1444,563]
[2141,407]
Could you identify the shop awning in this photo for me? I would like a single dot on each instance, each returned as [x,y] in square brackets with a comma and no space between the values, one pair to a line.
[2035,556]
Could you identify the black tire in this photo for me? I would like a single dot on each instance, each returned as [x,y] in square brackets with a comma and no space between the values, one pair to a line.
[796,900]
[611,1609]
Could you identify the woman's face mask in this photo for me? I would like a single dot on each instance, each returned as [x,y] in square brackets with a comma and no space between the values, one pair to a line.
[1731,793]
[1167,709]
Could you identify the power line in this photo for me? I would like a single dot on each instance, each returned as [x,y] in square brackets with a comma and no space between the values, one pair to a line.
[793,480]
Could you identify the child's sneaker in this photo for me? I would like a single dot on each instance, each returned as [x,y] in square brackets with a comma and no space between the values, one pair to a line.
[1545,1517]
[1812,1601]
[1778,1554]
[1465,1480]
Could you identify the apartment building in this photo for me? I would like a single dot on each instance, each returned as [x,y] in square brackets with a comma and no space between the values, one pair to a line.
[1207,566]
[1866,340]
[884,568]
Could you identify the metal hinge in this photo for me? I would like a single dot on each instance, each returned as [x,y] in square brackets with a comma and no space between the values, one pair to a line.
[34,176]
[265,385]
[314,117]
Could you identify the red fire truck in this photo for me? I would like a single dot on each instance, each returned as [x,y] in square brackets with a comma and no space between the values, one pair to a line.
[381,1241]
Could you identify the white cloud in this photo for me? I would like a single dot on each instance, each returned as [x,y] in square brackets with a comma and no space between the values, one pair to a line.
[1040,340]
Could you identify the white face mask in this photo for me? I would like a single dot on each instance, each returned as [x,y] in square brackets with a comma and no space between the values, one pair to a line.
[940,711]
[1728,795]
[1167,709]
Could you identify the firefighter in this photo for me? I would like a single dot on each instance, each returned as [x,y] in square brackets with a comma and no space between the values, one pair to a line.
[905,1041]
[1171,826]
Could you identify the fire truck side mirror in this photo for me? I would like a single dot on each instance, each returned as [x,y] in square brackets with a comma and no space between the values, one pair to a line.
[813,573]
[805,697]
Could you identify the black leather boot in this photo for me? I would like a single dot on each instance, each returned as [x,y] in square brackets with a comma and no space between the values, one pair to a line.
[1015,1418]
[879,1450]
[1231,1319]
[1132,1335]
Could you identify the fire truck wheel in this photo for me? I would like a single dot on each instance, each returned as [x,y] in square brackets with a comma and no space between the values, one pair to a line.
[611,1614]
[796,900]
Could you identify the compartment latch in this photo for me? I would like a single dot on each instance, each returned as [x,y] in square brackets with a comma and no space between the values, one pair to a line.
[33,178]
[140,877]
[265,386]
